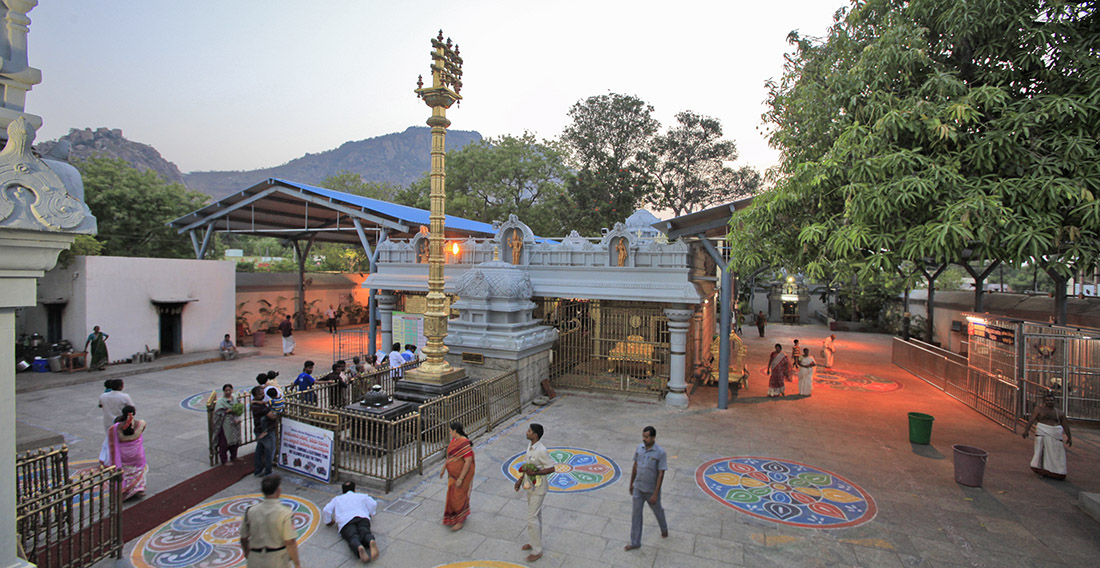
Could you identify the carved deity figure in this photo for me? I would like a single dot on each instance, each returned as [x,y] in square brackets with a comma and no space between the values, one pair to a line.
[516,243]
[620,247]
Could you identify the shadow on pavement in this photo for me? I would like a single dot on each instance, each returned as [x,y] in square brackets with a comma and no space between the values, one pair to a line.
[927,451]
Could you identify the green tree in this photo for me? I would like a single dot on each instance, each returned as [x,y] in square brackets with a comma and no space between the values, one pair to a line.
[495,177]
[604,139]
[932,132]
[83,245]
[132,209]
[687,167]
[353,183]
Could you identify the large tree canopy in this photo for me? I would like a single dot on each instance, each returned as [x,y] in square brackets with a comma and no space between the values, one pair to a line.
[924,132]
[604,139]
[687,167]
[492,178]
[133,208]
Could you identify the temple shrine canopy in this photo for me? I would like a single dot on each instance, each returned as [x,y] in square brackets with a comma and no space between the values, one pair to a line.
[296,211]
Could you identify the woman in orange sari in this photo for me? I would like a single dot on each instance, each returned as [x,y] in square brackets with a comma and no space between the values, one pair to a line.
[460,470]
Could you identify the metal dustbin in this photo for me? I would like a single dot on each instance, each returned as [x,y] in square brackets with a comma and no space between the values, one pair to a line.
[969,465]
[55,363]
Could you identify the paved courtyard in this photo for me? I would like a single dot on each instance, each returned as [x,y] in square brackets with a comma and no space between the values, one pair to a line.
[895,504]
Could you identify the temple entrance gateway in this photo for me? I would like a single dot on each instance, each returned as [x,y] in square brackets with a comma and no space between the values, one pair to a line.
[607,344]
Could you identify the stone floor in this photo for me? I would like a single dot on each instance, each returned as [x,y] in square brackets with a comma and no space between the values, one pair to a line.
[923,517]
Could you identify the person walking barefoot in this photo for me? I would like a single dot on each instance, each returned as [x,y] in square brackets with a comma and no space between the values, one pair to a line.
[459,466]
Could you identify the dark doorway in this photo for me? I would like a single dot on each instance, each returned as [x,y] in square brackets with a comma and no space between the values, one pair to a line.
[53,323]
[171,326]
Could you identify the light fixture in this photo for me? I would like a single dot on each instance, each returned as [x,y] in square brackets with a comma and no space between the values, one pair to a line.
[454,249]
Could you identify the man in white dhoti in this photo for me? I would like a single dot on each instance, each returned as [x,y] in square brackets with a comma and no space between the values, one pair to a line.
[1049,459]
[828,348]
[287,329]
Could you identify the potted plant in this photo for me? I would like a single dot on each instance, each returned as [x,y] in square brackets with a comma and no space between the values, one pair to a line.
[243,330]
[355,312]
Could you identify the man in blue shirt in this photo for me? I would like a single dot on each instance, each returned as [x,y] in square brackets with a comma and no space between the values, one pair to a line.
[650,464]
[305,382]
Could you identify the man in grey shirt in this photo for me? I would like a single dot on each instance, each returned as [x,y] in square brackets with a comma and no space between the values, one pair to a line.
[650,464]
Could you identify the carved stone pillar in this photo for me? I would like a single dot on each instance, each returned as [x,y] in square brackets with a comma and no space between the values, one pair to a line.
[16,75]
[386,303]
[678,322]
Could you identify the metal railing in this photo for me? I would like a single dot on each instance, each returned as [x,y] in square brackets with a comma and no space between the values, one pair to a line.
[323,395]
[62,521]
[388,450]
[351,342]
[992,395]
[937,367]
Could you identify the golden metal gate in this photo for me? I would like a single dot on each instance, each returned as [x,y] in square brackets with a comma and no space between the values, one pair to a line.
[609,345]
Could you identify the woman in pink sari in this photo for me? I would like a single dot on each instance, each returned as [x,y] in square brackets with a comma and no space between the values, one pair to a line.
[779,369]
[125,449]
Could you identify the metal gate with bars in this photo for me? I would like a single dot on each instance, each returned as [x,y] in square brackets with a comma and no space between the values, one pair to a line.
[610,345]
[1067,363]
[64,521]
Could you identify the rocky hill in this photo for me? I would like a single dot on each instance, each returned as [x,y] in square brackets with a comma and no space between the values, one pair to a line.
[110,143]
[397,158]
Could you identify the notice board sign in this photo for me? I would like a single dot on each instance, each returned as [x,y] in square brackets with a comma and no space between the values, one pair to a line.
[992,333]
[306,450]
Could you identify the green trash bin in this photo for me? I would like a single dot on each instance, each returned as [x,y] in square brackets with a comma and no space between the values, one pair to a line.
[920,428]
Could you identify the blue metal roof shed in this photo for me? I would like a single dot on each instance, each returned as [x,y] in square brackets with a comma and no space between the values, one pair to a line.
[304,214]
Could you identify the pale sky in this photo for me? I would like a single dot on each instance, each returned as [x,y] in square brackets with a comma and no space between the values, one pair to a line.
[245,84]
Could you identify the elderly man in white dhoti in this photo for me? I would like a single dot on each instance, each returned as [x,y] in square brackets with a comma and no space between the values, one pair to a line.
[1049,459]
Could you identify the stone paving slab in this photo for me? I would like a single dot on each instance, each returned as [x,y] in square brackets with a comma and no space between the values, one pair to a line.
[924,518]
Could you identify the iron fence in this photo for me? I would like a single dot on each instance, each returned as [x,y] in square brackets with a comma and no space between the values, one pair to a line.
[935,366]
[388,450]
[992,394]
[352,342]
[64,521]
[322,396]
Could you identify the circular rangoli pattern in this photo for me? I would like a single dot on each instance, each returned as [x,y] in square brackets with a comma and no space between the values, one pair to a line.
[843,380]
[786,492]
[576,470]
[208,535]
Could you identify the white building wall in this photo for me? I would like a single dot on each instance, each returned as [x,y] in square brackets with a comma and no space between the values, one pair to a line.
[117,293]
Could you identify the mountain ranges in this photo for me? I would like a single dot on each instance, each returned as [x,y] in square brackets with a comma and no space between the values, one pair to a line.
[398,158]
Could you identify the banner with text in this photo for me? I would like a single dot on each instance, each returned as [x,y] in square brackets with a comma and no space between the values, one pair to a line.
[306,450]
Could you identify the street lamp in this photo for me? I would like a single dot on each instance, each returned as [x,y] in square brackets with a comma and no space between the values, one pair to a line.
[446,83]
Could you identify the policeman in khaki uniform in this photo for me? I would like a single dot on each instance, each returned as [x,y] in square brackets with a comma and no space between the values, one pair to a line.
[267,533]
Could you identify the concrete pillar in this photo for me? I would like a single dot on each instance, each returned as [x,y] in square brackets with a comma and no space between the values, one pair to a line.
[8,548]
[678,323]
[387,301]
[24,255]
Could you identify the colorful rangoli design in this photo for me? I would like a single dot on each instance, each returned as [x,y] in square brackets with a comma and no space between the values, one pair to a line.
[576,471]
[842,380]
[786,492]
[208,535]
